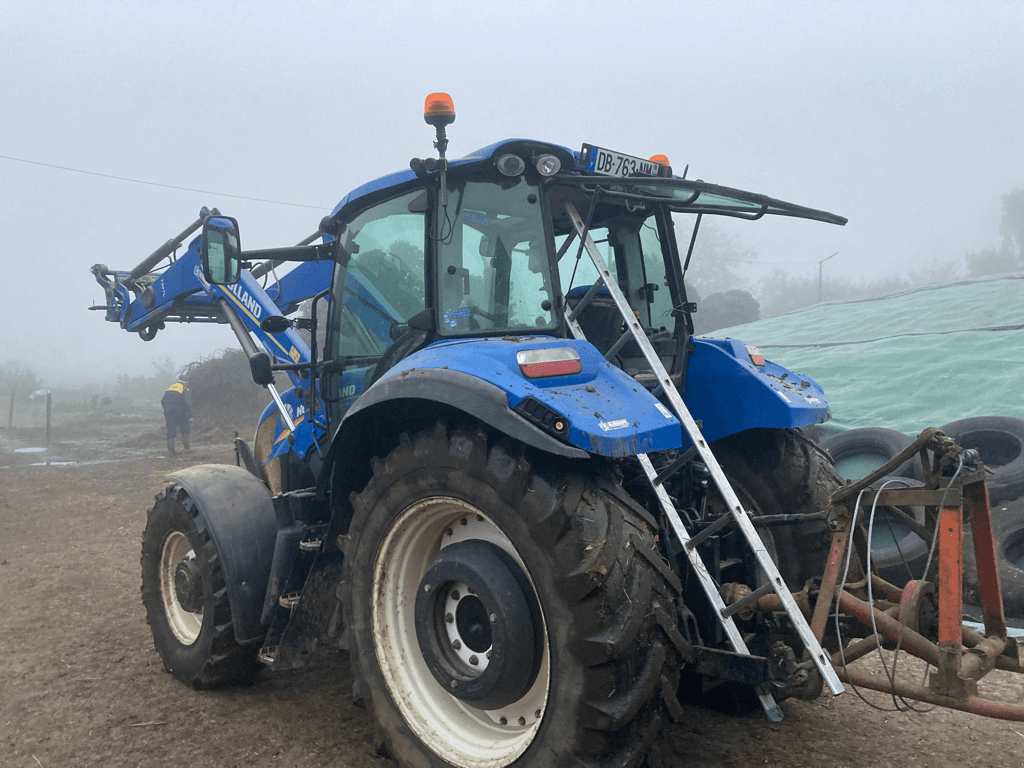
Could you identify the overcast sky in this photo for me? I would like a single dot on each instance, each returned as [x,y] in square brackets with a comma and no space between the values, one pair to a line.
[907,118]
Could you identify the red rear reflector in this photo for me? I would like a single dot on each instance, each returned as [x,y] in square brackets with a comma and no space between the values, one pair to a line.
[755,355]
[541,363]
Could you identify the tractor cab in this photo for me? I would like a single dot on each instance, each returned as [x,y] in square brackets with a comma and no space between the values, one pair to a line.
[486,246]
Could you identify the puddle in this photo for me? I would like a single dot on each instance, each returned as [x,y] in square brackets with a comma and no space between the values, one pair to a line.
[89,463]
[1016,632]
[28,450]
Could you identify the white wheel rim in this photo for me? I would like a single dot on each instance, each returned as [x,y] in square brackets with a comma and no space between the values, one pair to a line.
[184,624]
[462,735]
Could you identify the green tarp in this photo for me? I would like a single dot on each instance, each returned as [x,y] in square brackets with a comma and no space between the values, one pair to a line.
[918,359]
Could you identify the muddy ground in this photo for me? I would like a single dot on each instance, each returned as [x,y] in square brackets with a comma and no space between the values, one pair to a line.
[81,685]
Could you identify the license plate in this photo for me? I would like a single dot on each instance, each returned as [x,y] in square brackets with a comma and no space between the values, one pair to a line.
[610,163]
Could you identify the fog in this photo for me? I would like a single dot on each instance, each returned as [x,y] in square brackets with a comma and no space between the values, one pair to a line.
[907,118]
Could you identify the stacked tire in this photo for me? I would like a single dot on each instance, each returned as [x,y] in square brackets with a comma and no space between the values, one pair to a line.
[898,553]
[857,452]
[1000,442]
[1008,532]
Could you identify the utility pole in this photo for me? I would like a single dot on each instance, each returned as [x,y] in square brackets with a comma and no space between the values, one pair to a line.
[819,273]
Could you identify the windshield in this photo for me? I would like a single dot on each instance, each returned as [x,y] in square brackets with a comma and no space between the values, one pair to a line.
[493,270]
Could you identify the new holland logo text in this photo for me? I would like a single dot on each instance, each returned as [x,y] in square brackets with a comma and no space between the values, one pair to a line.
[247,301]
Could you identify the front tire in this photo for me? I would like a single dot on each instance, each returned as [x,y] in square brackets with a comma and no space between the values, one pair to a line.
[499,615]
[185,596]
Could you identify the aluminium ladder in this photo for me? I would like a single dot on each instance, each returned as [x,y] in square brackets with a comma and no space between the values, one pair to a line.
[737,514]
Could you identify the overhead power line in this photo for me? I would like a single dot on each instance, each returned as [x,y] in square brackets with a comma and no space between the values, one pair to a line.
[769,263]
[165,186]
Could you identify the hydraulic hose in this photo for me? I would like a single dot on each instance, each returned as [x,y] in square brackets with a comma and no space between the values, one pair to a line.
[167,248]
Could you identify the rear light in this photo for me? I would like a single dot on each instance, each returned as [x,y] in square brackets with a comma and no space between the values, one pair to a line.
[755,355]
[541,363]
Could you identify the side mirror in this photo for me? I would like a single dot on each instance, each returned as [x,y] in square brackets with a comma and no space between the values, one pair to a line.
[220,251]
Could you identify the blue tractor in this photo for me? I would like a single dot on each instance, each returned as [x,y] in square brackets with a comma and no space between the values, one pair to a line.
[507,478]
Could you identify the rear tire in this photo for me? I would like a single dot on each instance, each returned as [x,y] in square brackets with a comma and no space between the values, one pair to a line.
[783,472]
[576,664]
[185,596]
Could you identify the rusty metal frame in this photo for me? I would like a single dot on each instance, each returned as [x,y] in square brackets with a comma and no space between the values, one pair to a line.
[960,656]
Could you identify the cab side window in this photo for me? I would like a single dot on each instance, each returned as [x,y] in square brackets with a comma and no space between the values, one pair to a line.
[384,282]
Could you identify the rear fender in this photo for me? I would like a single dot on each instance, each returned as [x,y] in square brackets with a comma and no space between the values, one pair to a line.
[607,412]
[238,512]
[728,392]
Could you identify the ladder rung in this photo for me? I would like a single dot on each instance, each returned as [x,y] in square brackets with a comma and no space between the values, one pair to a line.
[586,298]
[676,465]
[708,532]
[626,336]
[753,597]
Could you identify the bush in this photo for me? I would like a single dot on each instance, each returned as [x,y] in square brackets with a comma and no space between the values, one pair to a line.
[17,377]
[724,310]
[224,397]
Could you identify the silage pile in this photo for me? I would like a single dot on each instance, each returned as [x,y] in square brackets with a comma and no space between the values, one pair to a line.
[920,358]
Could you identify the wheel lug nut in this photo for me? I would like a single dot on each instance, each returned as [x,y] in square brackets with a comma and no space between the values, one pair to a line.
[455,594]
[474,660]
[449,618]
[479,518]
[503,720]
[464,521]
[449,532]
[522,721]
[537,714]
[456,644]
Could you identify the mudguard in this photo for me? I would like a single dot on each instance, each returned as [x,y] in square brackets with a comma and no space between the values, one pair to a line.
[469,394]
[240,515]
[728,392]
[608,413]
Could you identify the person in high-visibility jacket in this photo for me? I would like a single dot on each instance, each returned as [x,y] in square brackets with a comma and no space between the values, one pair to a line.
[177,405]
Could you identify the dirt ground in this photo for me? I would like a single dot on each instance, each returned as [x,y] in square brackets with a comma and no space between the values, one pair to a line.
[81,685]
